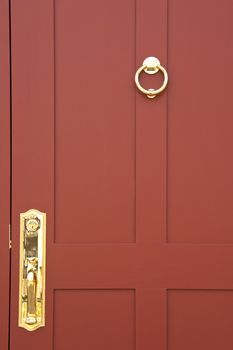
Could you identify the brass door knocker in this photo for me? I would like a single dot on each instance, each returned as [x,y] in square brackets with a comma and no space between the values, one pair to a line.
[151,65]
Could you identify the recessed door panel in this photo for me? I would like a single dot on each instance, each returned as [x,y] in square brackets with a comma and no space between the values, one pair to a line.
[200,107]
[94,121]
[200,319]
[94,318]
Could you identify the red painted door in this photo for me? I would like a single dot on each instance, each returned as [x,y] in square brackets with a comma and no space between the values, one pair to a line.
[138,193]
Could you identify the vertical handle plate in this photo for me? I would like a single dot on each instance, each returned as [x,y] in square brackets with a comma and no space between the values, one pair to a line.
[32,270]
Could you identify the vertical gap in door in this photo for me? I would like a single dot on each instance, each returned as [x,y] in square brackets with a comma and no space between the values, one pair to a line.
[10,231]
[166,233]
[135,125]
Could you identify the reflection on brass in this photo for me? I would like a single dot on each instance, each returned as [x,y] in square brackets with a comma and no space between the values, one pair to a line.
[32,270]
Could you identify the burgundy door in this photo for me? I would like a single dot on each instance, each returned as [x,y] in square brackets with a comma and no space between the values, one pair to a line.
[138,192]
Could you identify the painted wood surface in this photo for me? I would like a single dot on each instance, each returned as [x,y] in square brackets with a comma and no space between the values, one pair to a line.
[5,172]
[138,193]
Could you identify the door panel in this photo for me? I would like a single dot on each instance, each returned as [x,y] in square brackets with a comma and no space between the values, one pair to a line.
[137,192]
[204,327]
[200,170]
[93,70]
[97,311]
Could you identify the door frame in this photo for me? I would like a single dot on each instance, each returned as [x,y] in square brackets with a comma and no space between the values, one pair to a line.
[5,164]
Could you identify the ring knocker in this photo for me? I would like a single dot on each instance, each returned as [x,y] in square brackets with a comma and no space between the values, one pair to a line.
[151,65]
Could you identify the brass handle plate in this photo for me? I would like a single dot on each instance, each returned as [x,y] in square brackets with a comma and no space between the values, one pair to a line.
[151,65]
[32,270]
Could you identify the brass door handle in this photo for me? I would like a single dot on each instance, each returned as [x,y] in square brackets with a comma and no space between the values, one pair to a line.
[151,65]
[32,270]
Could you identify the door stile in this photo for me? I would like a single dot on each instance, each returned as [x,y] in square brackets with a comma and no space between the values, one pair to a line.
[5,172]
[151,168]
[32,132]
